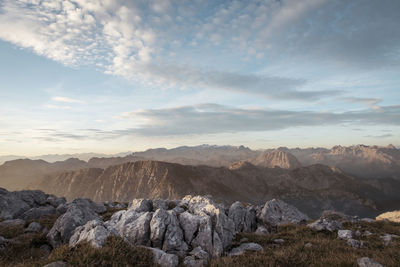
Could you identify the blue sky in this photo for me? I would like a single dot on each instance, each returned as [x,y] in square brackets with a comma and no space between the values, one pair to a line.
[110,76]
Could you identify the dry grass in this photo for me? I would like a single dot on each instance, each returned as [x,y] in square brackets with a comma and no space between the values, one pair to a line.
[116,252]
[326,249]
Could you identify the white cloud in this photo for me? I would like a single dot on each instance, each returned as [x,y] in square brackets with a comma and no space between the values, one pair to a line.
[67,100]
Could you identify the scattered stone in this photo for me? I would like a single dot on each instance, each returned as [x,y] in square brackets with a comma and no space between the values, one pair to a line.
[261,230]
[345,234]
[367,233]
[339,216]
[3,242]
[279,241]
[245,247]
[308,245]
[358,233]
[387,238]
[46,248]
[164,259]
[33,227]
[56,264]
[197,258]
[368,262]
[276,212]
[355,243]
[324,224]
[93,232]
[368,220]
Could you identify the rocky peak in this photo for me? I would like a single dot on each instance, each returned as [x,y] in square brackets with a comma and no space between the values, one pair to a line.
[281,159]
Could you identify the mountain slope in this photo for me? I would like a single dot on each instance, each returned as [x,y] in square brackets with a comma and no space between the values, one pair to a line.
[274,159]
[313,188]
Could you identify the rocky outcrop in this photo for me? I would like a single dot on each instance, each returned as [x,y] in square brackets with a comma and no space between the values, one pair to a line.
[94,232]
[245,247]
[276,212]
[243,217]
[77,213]
[393,216]
[164,259]
[26,204]
[368,262]
[279,159]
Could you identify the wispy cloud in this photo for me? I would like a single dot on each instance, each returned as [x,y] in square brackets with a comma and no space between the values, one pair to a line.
[131,39]
[371,102]
[212,118]
[64,99]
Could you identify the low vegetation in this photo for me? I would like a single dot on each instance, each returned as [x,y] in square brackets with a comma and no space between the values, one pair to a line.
[325,249]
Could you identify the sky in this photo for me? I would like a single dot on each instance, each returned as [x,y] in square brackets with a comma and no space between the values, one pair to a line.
[110,76]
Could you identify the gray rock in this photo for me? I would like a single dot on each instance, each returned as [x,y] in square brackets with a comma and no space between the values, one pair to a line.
[160,204]
[368,262]
[324,224]
[368,220]
[164,259]
[243,217]
[45,248]
[120,206]
[158,227]
[261,230]
[93,232]
[218,246]
[355,243]
[245,247]
[141,205]
[178,210]
[138,231]
[367,233]
[221,223]
[37,213]
[11,205]
[190,224]
[279,241]
[345,234]
[204,236]
[33,227]
[12,223]
[55,201]
[308,245]
[339,216]
[387,238]
[56,264]
[3,242]
[174,240]
[197,258]
[78,213]
[276,212]
[358,233]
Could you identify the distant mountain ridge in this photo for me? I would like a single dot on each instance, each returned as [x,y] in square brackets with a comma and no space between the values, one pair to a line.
[313,188]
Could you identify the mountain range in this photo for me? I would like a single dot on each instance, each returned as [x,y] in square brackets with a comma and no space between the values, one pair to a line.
[362,180]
